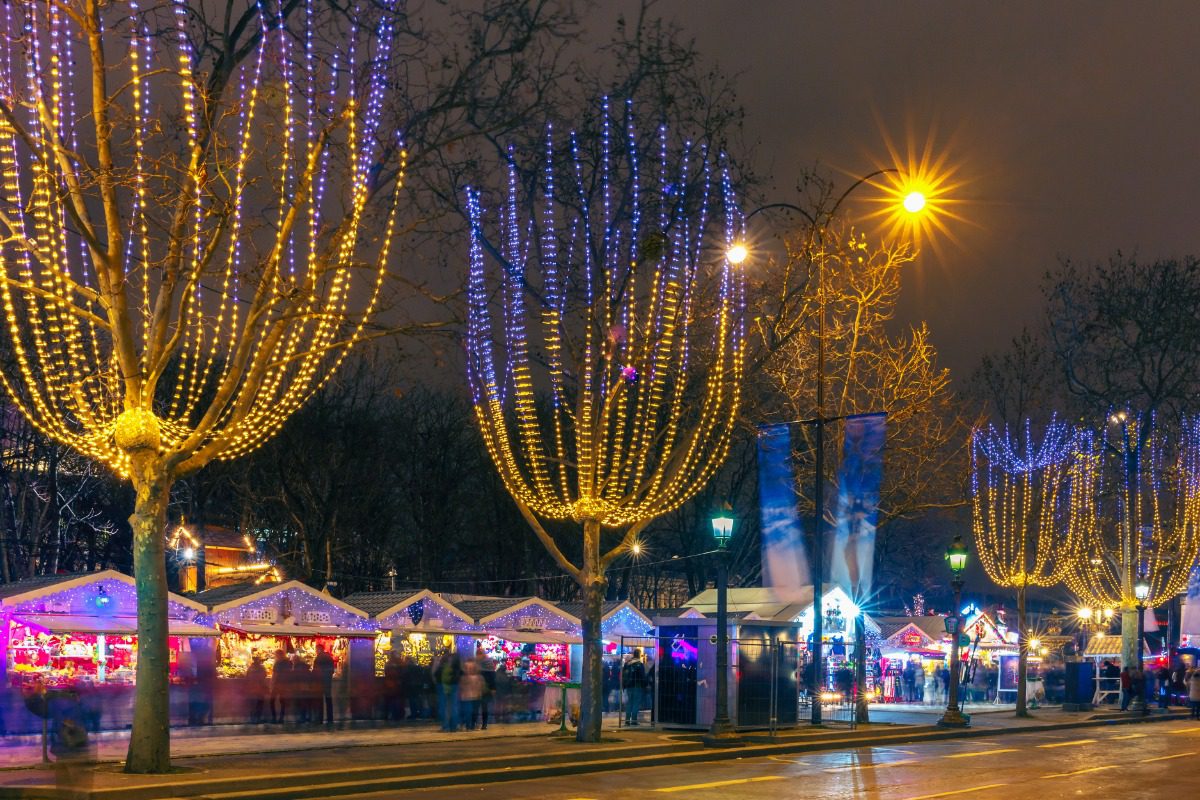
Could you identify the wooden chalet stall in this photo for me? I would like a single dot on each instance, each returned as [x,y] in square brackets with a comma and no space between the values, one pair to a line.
[80,631]
[262,620]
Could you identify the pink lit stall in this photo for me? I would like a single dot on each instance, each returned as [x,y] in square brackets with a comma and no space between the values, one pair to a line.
[80,631]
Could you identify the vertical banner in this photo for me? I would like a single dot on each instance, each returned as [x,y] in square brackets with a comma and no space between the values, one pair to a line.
[857,510]
[784,564]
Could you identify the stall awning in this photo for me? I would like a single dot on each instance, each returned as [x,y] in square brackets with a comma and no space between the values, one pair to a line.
[295,630]
[109,626]
[531,637]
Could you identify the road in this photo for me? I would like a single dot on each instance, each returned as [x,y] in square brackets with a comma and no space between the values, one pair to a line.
[1153,761]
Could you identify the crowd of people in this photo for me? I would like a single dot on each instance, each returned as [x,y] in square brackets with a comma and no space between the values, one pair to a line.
[298,690]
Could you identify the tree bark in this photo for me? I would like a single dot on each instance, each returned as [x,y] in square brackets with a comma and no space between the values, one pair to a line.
[1129,637]
[150,740]
[591,685]
[1023,655]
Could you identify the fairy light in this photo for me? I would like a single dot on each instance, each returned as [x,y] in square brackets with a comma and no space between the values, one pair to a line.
[619,443]
[94,340]
[1135,511]
[1018,494]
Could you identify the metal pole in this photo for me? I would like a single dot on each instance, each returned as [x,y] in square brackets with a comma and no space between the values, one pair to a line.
[953,718]
[818,550]
[721,733]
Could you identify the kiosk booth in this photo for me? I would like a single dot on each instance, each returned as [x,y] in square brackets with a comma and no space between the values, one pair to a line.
[261,621]
[80,632]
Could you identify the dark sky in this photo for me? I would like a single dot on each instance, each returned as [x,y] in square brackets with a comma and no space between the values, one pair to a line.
[1073,127]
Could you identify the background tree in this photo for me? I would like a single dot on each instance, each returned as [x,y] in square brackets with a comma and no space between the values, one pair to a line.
[1019,497]
[1134,517]
[602,265]
[157,322]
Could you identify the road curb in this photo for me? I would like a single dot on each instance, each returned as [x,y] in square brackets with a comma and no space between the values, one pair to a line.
[504,770]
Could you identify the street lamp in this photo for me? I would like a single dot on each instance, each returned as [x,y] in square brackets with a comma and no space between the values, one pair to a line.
[721,733]
[914,203]
[1141,591]
[956,557]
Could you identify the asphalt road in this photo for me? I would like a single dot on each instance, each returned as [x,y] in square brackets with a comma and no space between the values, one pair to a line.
[1153,761]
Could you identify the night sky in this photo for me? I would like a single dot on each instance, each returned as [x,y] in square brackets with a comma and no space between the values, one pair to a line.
[1072,128]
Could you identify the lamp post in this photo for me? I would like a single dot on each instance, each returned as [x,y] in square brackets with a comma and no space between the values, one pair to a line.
[913,203]
[956,556]
[721,733]
[1141,591]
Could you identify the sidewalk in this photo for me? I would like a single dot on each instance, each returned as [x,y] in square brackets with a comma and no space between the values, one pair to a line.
[328,764]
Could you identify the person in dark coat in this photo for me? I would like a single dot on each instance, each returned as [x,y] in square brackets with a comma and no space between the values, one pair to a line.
[393,678]
[280,689]
[257,690]
[322,672]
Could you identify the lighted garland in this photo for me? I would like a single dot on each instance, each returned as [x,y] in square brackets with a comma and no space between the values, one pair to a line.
[1018,495]
[593,302]
[1134,511]
[151,301]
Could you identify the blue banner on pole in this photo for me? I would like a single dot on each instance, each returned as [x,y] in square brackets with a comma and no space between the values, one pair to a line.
[853,556]
[784,563]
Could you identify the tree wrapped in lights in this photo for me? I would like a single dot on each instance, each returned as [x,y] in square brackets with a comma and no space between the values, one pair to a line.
[185,207]
[1135,516]
[1019,495]
[607,295]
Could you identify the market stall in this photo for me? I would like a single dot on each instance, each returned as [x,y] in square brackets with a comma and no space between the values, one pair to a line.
[80,632]
[291,620]
[912,650]
[420,625]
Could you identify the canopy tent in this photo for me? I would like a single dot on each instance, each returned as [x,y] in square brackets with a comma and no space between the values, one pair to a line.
[122,626]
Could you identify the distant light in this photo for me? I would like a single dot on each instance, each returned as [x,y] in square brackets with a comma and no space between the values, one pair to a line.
[189,553]
[737,254]
[636,548]
[914,202]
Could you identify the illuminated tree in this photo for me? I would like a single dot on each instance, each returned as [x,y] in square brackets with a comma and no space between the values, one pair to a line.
[589,299]
[1134,517]
[1019,494]
[186,250]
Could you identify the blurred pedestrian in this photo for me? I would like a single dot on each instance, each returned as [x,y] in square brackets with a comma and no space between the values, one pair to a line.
[322,671]
[280,669]
[418,686]
[487,669]
[257,690]
[470,690]
[1126,687]
[633,681]
[446,672]
[1193,684]
[393,675]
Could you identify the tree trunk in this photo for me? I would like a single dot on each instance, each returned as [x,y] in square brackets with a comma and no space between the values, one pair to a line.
[1023,656]
[591,686]
[1129,637]
[150,739]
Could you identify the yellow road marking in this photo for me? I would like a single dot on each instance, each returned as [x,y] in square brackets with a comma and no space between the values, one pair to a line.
[716,784]
[959,791]
[1067,744]
[1081,771]
[1128,736]
[881,764]
[1184,730]
[983,753]
[1167,758]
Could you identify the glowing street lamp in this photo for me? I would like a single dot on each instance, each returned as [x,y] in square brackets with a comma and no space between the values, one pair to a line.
[1141,591]
[914,202]
[737,253]
[721,733]
[956,557]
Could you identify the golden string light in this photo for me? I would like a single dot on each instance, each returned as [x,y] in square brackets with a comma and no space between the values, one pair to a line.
[1134,511]
[642,388]
[150,299]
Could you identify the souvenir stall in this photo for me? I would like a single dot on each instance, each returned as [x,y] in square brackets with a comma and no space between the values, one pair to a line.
[534,644]
[420,625]
[921,642]
[80,631]
[259,621]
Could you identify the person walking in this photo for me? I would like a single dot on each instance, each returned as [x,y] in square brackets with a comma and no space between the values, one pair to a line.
[470,690]
[280,669]
[1192,679]
[633,680]
[257,690]
[1126,687]
[393,676]
[487,669]
[447,672]
[322,670]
